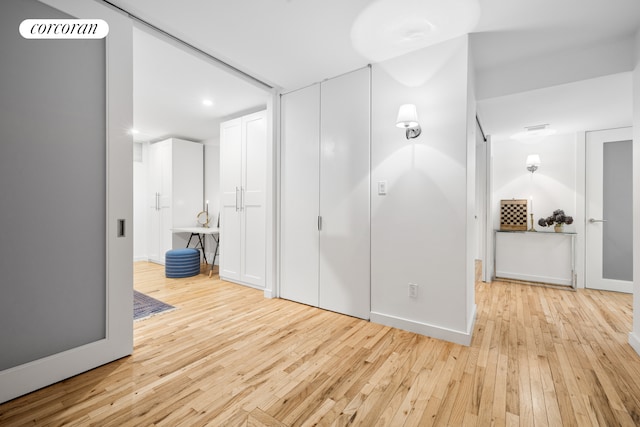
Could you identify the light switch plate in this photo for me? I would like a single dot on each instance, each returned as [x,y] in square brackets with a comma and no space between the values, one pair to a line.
[413,290]
[382,188]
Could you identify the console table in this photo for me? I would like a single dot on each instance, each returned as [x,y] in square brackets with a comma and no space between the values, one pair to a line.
[540,257]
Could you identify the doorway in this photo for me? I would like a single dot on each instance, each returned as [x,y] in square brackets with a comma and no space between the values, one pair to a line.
[181,93]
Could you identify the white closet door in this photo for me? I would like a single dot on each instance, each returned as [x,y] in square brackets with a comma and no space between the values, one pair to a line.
[165,199]
[252,197]
[230,183]
[155,217]
[344,194]
[300,112]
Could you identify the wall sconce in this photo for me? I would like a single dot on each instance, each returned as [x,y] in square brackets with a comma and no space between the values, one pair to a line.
[533,162]
[408,119]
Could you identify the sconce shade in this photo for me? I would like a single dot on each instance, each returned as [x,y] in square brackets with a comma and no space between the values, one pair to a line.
[533,160]
[407,116]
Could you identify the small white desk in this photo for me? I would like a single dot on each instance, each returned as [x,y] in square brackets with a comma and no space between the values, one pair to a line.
[199,233]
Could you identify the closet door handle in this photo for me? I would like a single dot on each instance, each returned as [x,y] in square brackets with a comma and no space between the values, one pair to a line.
[157,201]
[237,208]
[319,223]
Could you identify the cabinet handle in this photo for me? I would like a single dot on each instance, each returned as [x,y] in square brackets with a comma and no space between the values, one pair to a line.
[319,223]
[237,199]
[157,201]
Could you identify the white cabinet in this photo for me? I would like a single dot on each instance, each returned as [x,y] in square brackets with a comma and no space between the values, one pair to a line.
[243,154]
[176,189]
[325,203]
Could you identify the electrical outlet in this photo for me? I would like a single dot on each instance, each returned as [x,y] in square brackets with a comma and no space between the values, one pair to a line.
[413,290]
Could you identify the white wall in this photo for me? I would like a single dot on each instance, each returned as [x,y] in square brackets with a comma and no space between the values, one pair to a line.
[471,223]
[481,188]
[553,185]
[419,228]
[212,186]
[634,337]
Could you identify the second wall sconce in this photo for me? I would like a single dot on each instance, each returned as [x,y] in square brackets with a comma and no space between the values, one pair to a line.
[408,119]
[533,162]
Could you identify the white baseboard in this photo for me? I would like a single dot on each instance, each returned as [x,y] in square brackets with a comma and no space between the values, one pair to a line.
[457,337]
[240,282]
[634,342]
[268,293]
[531,278]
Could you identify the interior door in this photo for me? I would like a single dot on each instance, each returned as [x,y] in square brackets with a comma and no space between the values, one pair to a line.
[160,201]
[253,224]
[165,198]
[66,178]
[230,189]
[300,185]
[345,245]
[609,221]
[155,217]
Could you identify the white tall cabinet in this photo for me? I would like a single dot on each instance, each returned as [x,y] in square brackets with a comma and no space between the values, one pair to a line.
[175,183]
[325,195]
[243,155]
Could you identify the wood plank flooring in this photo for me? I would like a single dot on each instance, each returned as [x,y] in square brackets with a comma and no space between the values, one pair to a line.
[229,357]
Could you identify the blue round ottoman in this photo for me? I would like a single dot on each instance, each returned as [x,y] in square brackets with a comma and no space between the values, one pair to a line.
[182,263]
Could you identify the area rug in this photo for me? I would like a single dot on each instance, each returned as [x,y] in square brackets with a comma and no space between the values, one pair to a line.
[144,306]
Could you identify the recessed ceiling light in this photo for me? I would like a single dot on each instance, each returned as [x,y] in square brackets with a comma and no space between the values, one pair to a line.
[134,131]
[536,131]
[207,102]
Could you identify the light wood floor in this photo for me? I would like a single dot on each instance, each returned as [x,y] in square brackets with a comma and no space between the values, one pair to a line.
[229,357]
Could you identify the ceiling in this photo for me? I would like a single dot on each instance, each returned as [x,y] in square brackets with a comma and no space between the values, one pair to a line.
[170,86]
[293,43]
[593,104]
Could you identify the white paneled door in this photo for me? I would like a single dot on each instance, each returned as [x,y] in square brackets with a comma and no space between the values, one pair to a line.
[325,216]
[252,198]
[243,154]
[609,220]
[230,179]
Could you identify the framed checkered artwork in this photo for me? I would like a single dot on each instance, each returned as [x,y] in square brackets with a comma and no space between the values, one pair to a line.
[513,215]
